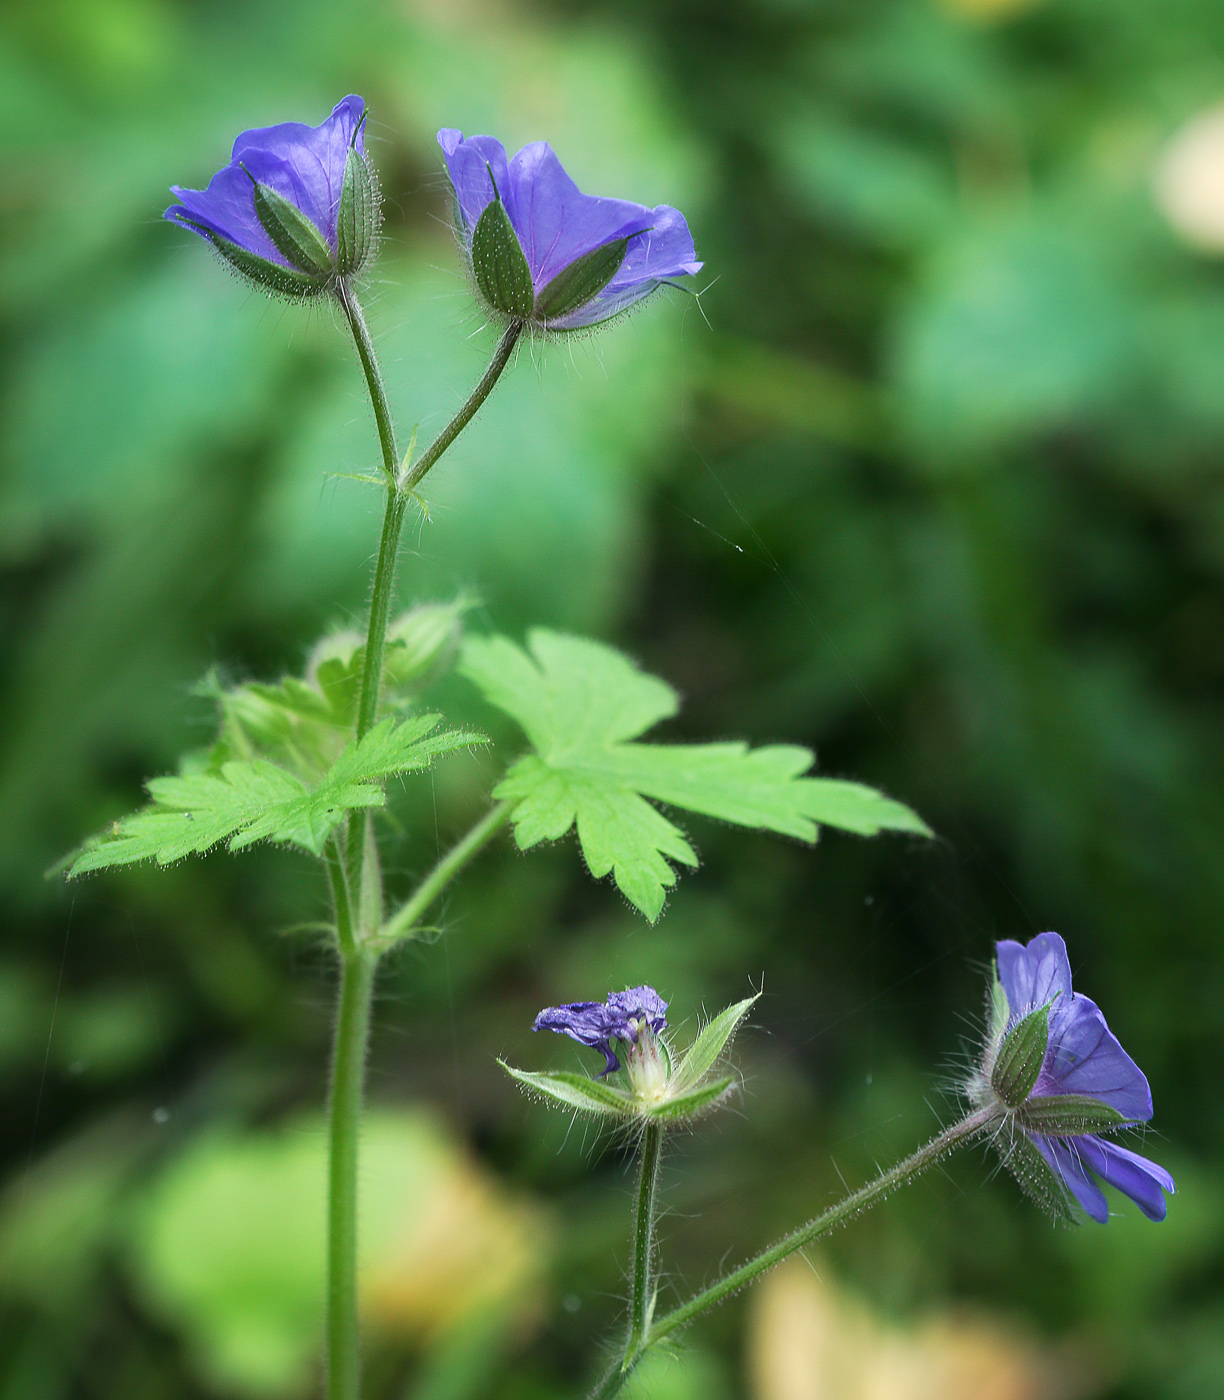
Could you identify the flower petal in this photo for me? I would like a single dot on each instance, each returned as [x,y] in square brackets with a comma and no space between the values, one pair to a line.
[226,207]
[468,163]
[587,1022]
[303,163]
[1084,1057]
[1143,1181]
[1035,973]
[1062,1157]
[637,1004]
[557,223]
[664,250]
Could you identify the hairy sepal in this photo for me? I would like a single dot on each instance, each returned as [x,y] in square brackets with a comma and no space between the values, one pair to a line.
[498,264]
[712,1042]
[1021,1056]
[575,1091]
[583,279]
[1069,1115]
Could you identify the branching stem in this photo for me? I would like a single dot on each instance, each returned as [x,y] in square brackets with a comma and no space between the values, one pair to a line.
[347,870]
[404,921]
[854,1204]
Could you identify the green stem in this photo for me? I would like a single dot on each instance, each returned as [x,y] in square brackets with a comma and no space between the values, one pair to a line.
[854,1204]
[398,493]
[369,364]
[643,1238]
[333,859]
[414,472]
[348,1075]
[407,916]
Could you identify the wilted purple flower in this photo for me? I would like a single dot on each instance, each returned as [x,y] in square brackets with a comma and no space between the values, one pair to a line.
[542,251]
[599,1023]
[296,207]
[1083,1067]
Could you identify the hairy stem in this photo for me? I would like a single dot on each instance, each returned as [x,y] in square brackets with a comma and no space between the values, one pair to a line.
[348,1076]
[643,1238]
[854,1204]
[359,958]
[405,919]
[414,472]
[333,859]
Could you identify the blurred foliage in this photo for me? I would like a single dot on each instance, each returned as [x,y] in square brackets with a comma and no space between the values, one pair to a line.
[929,481]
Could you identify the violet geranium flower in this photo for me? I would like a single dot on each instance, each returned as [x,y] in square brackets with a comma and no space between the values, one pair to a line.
[296,209]
[1062,1078]
[542,252]
[622,1017]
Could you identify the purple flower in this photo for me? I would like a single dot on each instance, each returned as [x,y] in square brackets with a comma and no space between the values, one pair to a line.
[295,208]
[542,251]
[598,1023]
[1083,1064]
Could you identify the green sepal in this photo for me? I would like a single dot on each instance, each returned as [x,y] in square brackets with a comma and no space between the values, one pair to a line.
[1069,1115]
[584,278]
[576,1091]
[1038,1180]
[357,215]
[499,265]
[678,1108]
[296,238]
[1020,1057]
[703,1054]
[273,277]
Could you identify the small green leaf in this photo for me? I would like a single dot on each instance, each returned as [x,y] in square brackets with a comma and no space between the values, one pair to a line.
[693,1103]
[1021,1056]
[295,237]
[1038,1180]
[580,703]
[575,285]
[713,1040]
[575,1091]
[498,263]
[1069,1115]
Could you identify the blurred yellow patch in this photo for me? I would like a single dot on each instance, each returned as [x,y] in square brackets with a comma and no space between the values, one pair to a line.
[987,10]
[1189,181]
[808,1341]
[230,1249]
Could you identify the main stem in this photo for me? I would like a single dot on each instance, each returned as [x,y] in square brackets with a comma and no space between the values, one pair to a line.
[348,1073]
[358,950]
[854,1204]
[643,1238]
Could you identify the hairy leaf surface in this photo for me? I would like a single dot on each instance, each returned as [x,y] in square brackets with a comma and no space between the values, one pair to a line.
[257,800]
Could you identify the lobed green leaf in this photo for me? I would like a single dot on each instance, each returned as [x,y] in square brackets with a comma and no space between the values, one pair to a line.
[257,800]
[581,704]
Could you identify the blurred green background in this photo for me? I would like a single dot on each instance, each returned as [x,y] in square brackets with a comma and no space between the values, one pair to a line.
[929,479]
